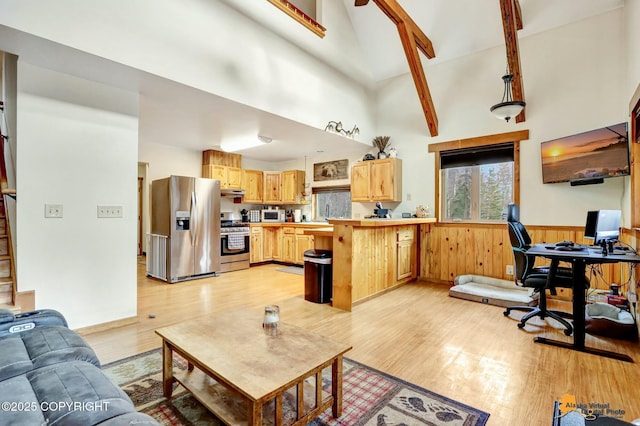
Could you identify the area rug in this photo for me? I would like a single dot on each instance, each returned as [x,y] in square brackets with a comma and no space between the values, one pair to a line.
[370,397]
[292,270]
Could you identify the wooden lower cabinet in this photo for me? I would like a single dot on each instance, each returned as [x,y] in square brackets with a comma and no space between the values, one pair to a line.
[405,253]
[256,253]
[288,248]
[303,243]
[280,243]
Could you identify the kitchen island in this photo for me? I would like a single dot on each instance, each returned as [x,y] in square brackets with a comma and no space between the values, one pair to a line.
[373,256]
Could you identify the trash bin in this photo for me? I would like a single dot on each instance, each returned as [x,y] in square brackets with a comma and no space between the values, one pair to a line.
[318,276]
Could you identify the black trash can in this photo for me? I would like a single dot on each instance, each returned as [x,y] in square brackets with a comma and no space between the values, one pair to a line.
[318,276]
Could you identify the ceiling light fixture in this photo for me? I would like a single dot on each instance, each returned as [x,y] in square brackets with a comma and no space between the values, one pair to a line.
[336,127]
[240,144]
[508,107]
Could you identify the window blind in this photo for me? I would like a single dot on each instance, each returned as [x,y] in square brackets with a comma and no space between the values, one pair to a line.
[476,156]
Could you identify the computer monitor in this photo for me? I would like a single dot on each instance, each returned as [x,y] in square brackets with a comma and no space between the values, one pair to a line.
[603,226]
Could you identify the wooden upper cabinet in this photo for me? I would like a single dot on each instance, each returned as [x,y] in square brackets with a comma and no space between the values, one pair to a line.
[283,187]
[234,178]
[252,185]
[272,187]
[292,186]
[377,180]
[229,177]
[360,182]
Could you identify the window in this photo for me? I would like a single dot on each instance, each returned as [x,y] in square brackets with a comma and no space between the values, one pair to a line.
[477,193]
[334,201]
[477,178]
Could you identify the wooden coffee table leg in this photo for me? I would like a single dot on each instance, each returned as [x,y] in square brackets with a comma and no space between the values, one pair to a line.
[336,386]
[167,369]
[255,414]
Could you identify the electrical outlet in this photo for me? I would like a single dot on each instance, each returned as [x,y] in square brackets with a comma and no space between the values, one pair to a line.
[109,211]
[509,270]
[53,211]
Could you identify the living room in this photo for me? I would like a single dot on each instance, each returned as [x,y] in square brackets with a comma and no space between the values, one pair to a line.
[577,77]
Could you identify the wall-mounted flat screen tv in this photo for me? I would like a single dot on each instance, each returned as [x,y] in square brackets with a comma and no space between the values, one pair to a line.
[587,157]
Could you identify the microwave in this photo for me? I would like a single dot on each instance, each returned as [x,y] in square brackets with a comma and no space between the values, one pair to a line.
[272,215]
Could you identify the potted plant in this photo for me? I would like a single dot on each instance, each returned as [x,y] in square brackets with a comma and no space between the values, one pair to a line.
[381,143]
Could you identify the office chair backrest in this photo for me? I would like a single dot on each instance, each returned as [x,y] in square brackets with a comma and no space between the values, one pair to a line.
[517,232]
[520,242]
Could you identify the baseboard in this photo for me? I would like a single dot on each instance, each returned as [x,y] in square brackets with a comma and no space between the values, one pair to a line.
[26,300]
[106,325]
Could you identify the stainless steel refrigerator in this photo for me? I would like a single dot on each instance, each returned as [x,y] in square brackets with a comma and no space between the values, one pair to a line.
[185,228]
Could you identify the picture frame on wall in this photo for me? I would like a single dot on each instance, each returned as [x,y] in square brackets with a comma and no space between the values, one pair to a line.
[331,170]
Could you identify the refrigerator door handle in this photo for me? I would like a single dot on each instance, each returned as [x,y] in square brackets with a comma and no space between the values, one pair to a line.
[194,217]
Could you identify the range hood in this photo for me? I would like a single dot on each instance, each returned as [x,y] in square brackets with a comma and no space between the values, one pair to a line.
[231,193]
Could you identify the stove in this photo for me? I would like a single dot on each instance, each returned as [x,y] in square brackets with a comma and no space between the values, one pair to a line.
[229,227]
[234,243]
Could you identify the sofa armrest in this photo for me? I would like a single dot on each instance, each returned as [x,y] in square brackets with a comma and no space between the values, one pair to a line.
[11,323]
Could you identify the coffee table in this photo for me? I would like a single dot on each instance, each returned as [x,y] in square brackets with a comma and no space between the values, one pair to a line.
[240,367]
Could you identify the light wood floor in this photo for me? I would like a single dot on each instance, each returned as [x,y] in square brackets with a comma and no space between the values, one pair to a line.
[463,350]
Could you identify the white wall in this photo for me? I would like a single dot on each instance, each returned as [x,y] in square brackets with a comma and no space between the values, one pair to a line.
[574,80]
[75,153]
[210,46]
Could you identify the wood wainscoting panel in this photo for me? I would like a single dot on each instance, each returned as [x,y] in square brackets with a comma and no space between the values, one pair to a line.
[448,250]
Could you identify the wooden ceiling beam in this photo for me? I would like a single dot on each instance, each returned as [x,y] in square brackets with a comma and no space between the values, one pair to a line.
[510,26]
[413,39]
[397,14]
[518,13]
[413,57]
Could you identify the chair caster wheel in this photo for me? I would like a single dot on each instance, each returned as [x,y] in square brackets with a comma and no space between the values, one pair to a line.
[505,313]
[520,325]
[568,332]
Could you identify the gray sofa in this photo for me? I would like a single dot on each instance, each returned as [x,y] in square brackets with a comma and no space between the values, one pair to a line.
[50,376]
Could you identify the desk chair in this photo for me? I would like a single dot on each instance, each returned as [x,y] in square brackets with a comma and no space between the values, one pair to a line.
[526,275]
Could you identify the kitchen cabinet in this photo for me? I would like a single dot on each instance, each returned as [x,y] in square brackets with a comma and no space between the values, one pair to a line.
[283,187]
[405,253]
[271,243]
[292,186]
[229,177]
[272,187]
[303,243]
[256,254]
[252,181]
[288,245]
[377,180]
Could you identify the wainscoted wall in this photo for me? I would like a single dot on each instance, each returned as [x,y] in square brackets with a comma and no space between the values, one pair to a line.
[448,250]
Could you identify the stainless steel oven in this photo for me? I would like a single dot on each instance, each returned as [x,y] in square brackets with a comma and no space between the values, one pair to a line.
[234,243]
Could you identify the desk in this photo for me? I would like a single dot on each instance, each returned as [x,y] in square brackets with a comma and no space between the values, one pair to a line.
[579,260]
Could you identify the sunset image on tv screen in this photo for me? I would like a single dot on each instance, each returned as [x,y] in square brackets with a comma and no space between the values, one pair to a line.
[596,154]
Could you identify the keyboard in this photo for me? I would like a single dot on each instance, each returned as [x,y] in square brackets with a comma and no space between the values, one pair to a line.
[569,248]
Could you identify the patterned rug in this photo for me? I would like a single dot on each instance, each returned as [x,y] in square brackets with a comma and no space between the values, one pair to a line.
[370,397]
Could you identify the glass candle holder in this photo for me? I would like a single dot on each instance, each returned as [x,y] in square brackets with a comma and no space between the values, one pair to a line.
[271,316]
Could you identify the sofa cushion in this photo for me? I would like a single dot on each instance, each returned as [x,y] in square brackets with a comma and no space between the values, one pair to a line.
[14,358]
[77,393]
[20,404]
[40,347]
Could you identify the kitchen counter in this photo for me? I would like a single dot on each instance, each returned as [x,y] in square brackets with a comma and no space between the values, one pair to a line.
[374,256]
[382,222]
[294,224]
[325,231]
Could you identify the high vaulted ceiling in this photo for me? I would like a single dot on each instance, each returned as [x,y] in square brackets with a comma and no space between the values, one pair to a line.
[455,27]
[458,27]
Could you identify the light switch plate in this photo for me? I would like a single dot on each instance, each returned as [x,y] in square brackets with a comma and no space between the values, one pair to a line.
[109,211]
[53,211]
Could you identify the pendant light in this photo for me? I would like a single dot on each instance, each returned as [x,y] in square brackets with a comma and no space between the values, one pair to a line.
[508,107]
